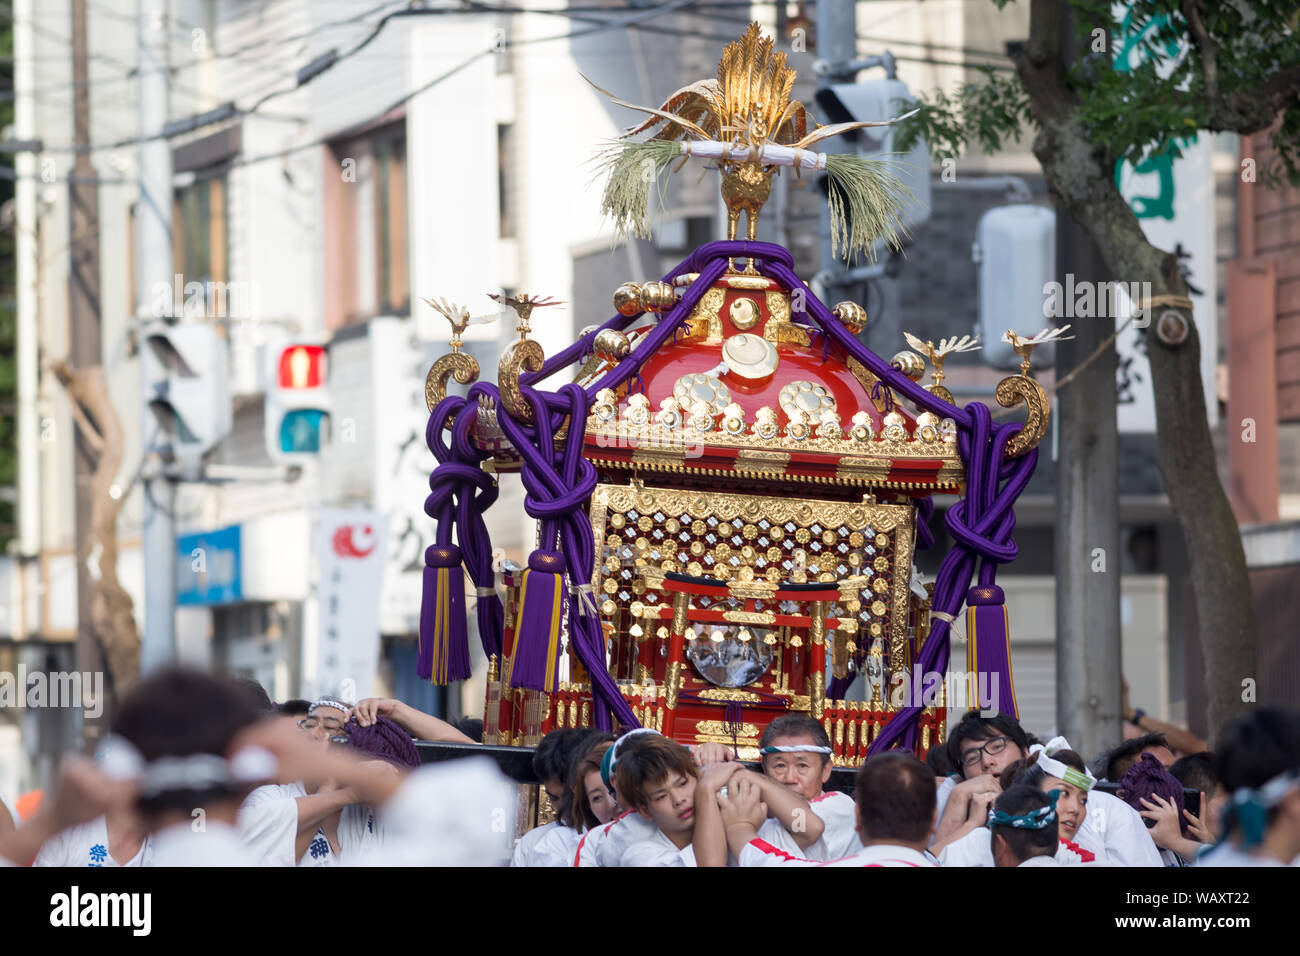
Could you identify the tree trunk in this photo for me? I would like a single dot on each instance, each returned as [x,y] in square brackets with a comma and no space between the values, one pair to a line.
[1082,180]
[111,619]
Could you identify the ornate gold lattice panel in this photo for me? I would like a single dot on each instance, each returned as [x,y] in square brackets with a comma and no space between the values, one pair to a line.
[743,537]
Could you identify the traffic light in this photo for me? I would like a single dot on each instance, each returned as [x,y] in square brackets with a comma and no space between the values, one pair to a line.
[297,403]
[1015,247]
[185,371]
[877,101]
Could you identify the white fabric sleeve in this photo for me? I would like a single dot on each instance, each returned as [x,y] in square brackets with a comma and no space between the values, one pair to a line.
[778,836]
[586,853]
[56,851]
[454,814]
[629,828]
[557,847]
[1128,841]
[974,849]
[758,852]
[269,830]
[651,853]
[526,849]
[839,813]
[941,795]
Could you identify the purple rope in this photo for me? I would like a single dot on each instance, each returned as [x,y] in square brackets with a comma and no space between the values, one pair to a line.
[459,488]
[555,491]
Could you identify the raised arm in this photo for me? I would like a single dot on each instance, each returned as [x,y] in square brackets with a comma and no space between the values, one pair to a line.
[80,794]
[709,840]
[417,723]
[967,809]
[790,810]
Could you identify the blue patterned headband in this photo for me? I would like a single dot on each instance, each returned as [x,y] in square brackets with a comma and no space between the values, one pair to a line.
[1038,819]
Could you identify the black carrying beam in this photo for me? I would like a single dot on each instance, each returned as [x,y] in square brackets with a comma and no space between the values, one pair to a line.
[517,762]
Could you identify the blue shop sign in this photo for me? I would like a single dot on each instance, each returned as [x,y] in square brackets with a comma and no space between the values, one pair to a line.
[208,567]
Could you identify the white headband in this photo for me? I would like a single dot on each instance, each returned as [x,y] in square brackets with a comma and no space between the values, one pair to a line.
[611,755]
[794,749]
[1084,779]
[119,759]
[329,702]
[1268,795]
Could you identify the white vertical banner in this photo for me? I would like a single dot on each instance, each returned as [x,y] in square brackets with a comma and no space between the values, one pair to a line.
[351,547]
[399,362]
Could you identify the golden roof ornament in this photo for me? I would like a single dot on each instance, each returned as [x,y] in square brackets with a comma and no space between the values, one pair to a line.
[745,121]
[459,318]
[523,304]
[464,367]
[937,355]
[1024,347]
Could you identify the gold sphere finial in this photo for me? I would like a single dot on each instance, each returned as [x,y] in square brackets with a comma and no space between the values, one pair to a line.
[852,315]
[610,346]
[627,299]
[910,364]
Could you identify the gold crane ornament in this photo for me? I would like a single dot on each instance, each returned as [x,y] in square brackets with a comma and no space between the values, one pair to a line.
[1024,347]
[456,362]
[1015,389]
[937,354]
[521,356]
[523,304]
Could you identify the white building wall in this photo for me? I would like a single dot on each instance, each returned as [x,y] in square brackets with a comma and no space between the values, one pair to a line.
[1031,606]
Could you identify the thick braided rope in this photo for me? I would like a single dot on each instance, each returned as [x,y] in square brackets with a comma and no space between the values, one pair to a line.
[460,492]
[566,525]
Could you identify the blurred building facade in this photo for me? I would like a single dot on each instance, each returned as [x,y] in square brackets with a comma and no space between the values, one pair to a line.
[449,156]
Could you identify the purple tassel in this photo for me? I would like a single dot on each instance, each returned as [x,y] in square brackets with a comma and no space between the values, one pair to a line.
[733,719]
[537,641]
[988,651]
[444,633]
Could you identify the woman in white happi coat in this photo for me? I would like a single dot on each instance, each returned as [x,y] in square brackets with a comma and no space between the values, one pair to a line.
[554,844]
[1052,768]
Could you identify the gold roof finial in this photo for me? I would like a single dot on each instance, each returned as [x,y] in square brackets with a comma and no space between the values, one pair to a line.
[1024,347]
[456,315]
[745,121]
[938,353]
[523,304]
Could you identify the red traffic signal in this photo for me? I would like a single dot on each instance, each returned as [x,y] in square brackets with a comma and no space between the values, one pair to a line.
[302,366]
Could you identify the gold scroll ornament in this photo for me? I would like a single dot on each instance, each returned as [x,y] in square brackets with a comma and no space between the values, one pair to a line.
[1010,392]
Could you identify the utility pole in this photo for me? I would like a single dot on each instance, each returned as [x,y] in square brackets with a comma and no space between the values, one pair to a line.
[1087,540]
[153,264]
[84,338]
[837,45]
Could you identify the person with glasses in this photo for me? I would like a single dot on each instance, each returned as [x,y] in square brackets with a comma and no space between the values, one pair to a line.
[981,748]
[325,719]
[1051,769]
[307,822]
